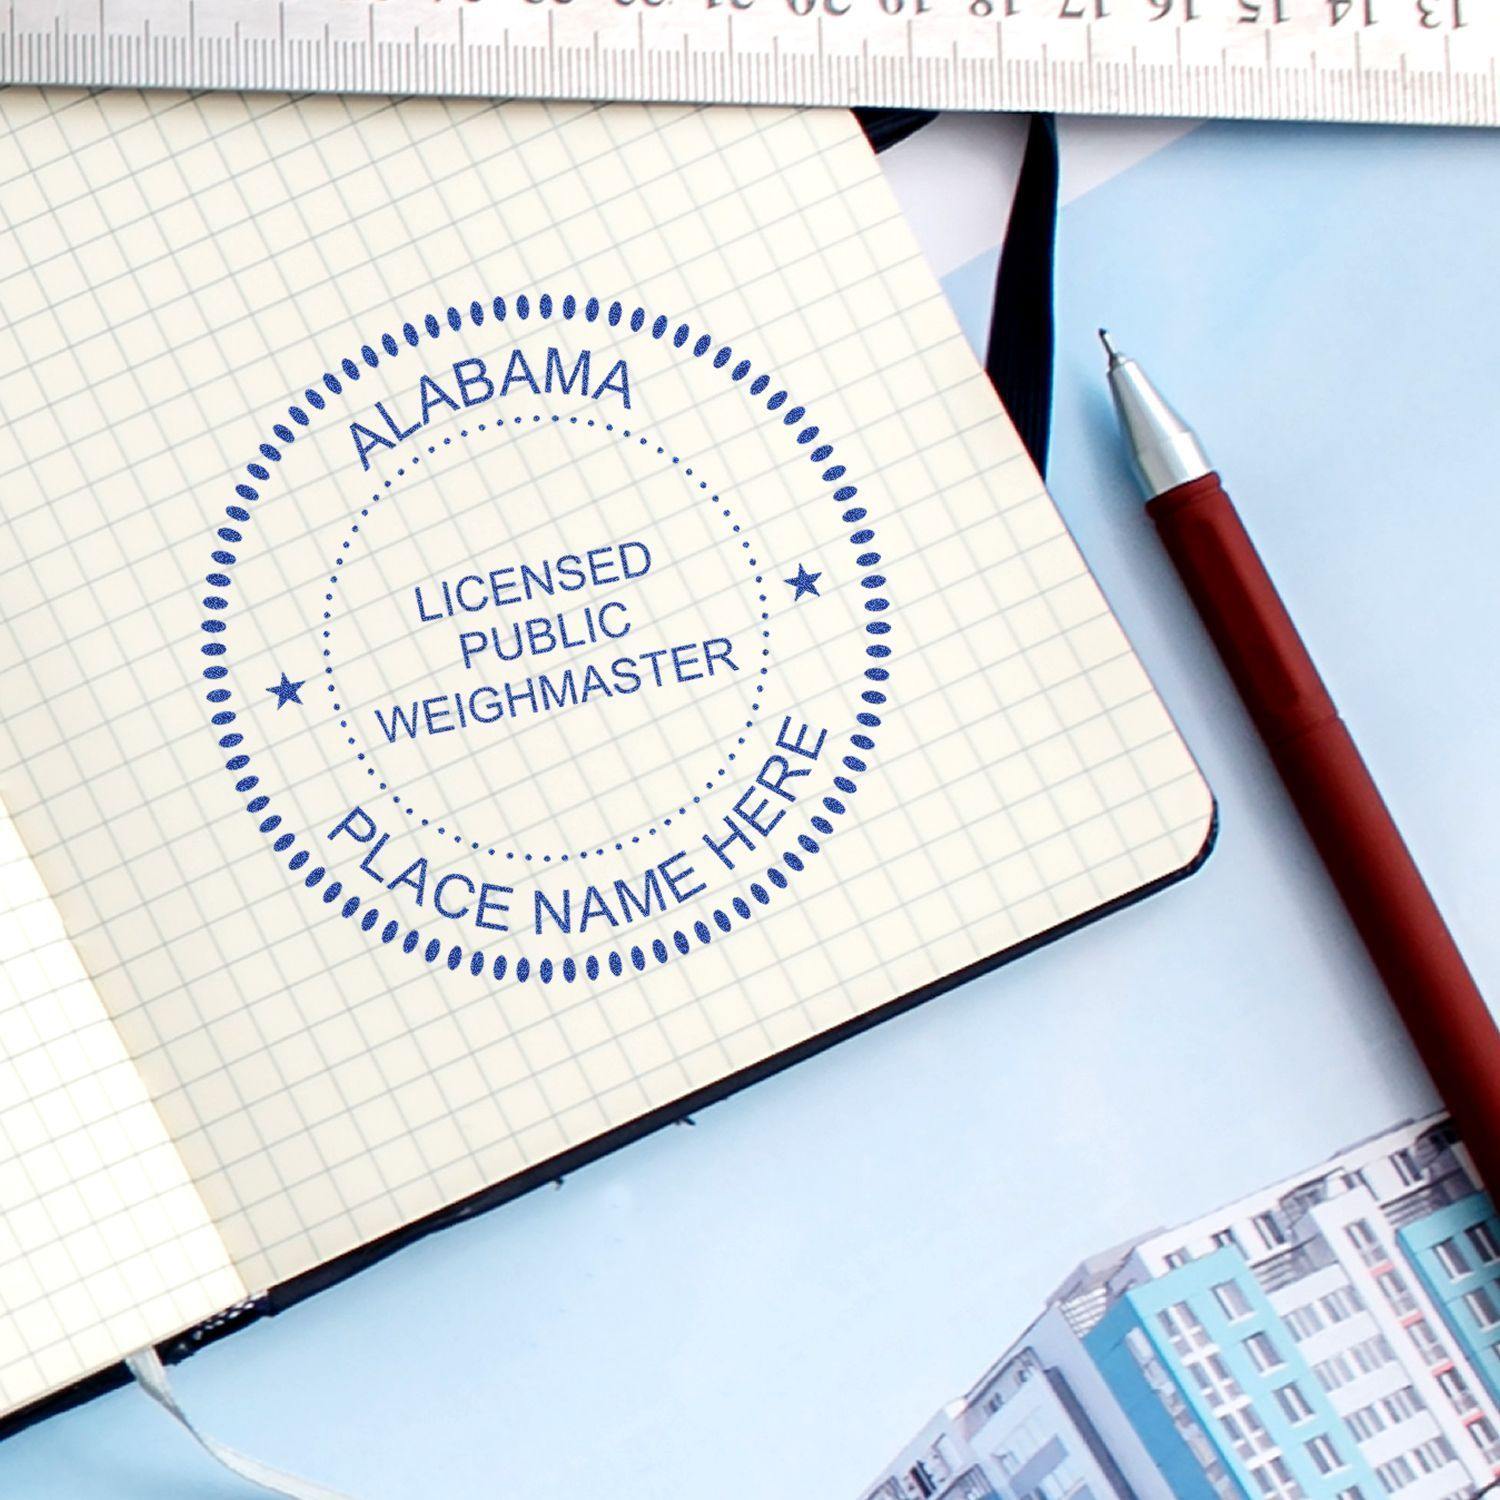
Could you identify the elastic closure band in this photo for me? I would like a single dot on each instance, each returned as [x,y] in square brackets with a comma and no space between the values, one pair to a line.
[151,1375]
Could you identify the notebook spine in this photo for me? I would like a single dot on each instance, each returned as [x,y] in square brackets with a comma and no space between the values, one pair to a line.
[214,1328]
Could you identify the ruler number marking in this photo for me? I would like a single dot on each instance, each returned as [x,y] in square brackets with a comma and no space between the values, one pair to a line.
[1423,60]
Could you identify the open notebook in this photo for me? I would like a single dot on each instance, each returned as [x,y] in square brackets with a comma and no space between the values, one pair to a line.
[516,620]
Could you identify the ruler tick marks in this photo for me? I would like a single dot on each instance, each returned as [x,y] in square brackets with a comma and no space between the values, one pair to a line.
[924,53]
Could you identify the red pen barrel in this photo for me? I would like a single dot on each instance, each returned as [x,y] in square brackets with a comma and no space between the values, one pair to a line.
[1340,805]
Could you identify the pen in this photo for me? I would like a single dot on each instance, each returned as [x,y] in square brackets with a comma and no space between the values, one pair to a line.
[1322,769]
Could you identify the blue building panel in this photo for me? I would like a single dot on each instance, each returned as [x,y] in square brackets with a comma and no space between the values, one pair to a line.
[1456,1253]
[1212,1330]
[1108,1348]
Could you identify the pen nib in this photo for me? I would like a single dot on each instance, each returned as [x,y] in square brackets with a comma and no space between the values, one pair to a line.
[1165,451]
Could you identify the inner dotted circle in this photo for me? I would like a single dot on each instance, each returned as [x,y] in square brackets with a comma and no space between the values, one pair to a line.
[230,532]
[445,829]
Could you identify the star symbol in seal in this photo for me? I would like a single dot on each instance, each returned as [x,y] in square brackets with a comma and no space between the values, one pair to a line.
[804,583]
[286,691]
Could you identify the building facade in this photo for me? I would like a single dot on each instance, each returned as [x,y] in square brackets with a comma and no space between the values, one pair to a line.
[1332,1337]
[1455,1252]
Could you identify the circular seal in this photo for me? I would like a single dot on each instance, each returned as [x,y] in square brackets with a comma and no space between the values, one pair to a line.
[546,639]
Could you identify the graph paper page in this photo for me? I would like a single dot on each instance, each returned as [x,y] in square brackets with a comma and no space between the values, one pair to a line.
[514,614]
[104,1245]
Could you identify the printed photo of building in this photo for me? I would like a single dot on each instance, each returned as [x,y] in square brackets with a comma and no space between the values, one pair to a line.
[1335,1336]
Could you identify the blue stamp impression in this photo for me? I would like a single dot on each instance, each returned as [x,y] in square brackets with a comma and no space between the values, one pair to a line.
[525,633]
[487,641]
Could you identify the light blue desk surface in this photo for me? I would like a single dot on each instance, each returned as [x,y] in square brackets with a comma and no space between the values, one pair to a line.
[770,1303]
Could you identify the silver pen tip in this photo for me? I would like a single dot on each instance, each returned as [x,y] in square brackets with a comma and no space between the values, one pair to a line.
[1165,451]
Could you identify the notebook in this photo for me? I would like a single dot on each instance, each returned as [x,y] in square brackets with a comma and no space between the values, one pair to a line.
[517,620]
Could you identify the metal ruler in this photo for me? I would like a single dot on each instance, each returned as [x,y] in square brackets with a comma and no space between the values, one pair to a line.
[1427,61]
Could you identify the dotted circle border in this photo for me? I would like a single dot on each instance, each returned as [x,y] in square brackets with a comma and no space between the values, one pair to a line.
[498,427]
[271,824]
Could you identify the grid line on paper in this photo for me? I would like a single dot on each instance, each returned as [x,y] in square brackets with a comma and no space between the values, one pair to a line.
[319,1094]
[104,1244]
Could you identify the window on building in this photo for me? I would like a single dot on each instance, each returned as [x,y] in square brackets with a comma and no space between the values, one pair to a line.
[1276,1480]
[1402,1404]
[1203,1449]
[1304,1321]
[1365,1423]
[1332,1373]
[1176,1258]
[1393,1285]
[1215,1362]
[1482,1307]
[1482,1430]
[1226,1239]
[1432,1455]
[1429,1345]
[1486,1242]
[1257,1430]
[1182,1327]
[1324,1454]
[1341,1303]
[1230,1296]
[1264,1353]
[1452,1258]
[1406,1166]
[1239,1438]
[1269,1231]
[1295,1407]
[921,1481]
[1067,1478]
[1370,1354]
[1456,1389]
[1395,1475]
[1215,1381]
[1365,1241]
[1269,1483]
[1352,1493]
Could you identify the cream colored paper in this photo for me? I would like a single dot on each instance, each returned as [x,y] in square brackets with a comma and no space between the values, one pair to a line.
[182,278]
[104,1244]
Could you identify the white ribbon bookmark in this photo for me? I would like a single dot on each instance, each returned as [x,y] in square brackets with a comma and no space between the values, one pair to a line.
[148,1371]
